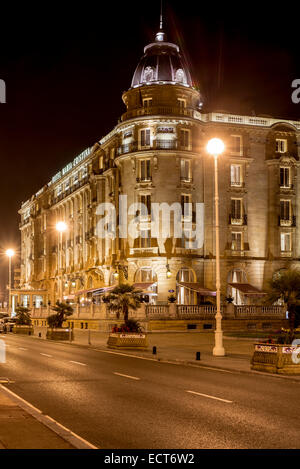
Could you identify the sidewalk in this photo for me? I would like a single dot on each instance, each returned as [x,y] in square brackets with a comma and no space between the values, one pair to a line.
[20,430]
[181,347]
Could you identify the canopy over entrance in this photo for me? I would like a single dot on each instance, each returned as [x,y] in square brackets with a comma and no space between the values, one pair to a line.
[197,287]
[247,289]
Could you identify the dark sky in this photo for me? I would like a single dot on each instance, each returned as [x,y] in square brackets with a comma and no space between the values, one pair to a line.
[66,66]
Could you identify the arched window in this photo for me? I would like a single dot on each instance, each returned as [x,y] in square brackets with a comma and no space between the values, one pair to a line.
[112,279]
[90,282]
[236,276]
[147,275]
[185,296]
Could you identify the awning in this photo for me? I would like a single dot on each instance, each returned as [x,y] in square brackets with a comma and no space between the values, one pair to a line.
[90,290]
[197,287]
[143,286]
[247,289]
[100,291]
[69,297]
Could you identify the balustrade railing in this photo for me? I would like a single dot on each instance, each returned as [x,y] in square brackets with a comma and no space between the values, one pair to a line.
[248,311]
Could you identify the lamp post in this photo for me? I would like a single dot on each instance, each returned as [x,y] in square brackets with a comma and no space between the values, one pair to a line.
[216,147]
[10,253]
[61,227]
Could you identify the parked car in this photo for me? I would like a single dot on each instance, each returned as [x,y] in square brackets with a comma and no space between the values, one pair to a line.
[9,324]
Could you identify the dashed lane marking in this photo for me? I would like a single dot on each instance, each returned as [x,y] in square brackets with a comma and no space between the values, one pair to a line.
[78,363]
[209,397]
[127,376]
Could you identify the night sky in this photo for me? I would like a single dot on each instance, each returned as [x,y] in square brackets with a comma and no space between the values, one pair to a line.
[66,66]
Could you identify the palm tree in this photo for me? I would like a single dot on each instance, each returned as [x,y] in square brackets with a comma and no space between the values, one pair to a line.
[62,311]
[286,286]
[123,298]
[23,316]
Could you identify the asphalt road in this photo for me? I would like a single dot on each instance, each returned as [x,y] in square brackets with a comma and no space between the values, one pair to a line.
[121,402]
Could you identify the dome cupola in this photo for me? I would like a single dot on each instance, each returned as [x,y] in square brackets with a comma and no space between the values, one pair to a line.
[162,63]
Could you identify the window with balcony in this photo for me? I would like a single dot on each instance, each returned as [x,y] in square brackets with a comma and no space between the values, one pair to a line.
[145,200]
[281,145]
[285,177]
[145,238]
[285,212]
[184,139]
[145,138]
[186,205]
[236,241]
[144,170]
[285,242]
[185,170]
[237,145]
[181,104]
[236,175]
[147,103]
[236,212]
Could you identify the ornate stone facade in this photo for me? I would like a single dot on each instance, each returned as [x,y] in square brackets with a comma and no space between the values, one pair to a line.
[157,153]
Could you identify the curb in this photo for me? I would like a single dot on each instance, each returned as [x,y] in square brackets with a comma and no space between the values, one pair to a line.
[75,440]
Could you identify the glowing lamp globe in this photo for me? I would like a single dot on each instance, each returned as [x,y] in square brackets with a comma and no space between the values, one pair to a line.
[10,252]
[215,146]
[61,226]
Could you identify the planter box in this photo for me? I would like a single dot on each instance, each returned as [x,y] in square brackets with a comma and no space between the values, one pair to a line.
[59,334]
[26,330]
[129,340]
[275,358]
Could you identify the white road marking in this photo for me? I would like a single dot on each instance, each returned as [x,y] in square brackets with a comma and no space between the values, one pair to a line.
[55,426]
[21,348]
[125,355]
[210,397]
[77,363]
[127,376]
[46,355]
[166,360]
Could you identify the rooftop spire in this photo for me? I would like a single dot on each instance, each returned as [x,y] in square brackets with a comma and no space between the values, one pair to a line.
[160,36]
[161,17]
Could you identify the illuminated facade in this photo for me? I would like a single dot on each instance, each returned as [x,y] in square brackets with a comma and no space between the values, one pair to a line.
[157,154]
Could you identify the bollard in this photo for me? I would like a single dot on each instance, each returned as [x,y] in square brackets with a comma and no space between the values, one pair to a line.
[198,355]
[154,350]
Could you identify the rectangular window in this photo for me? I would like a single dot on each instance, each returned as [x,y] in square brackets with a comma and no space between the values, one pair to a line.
[186,208]
[145,238]
[145,170]
[285,242]
[236,209]
[236,175]
[281,145]
[182,104]
[284,177]
[236,145]
[285,210]
[146,201]
[145,138]
[185,170]
[147,103]
[236,241]
[184,139]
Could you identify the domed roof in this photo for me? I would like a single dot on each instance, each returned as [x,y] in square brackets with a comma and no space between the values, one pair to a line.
[162,63]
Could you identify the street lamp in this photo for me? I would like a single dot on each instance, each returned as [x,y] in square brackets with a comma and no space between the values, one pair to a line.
[61,227]
[10,253]
[216,147]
